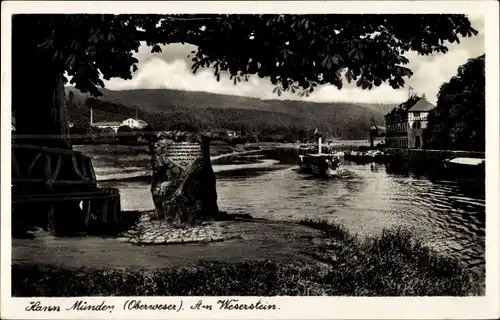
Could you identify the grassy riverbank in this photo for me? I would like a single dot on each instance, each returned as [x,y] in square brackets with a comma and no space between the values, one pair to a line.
[391,264]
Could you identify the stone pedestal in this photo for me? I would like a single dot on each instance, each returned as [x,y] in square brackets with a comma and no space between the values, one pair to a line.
[183,186]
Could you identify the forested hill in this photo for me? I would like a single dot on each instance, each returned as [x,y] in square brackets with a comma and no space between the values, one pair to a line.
[164,108]
[384,108]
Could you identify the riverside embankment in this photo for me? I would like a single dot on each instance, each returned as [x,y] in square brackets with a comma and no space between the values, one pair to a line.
[267,259]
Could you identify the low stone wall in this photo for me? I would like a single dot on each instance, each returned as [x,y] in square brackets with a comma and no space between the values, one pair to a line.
[430,157]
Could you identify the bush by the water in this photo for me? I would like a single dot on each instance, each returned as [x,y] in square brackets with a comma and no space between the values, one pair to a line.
[391,264]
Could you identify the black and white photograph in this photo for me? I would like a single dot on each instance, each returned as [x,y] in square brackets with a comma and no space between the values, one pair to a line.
[203,154]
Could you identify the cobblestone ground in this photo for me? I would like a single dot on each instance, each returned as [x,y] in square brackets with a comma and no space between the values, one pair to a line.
[158,232]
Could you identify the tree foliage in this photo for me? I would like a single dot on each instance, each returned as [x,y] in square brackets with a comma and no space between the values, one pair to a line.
[295,51]
[458,121]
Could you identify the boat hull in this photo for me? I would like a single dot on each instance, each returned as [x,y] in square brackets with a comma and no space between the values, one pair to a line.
[465,165]
[319,166]
[464,171]
[331,172]
[469,176]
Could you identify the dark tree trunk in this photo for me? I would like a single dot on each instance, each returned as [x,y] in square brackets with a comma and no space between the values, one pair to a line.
[38,105]
[38,102]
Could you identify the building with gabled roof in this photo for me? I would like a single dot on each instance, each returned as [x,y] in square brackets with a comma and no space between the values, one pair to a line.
[406,123]
[134,123]
[422,105]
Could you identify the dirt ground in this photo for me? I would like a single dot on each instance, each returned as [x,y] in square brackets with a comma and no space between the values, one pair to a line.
[257,240]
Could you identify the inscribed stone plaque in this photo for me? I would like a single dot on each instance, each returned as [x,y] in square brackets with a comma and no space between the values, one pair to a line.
[183,153]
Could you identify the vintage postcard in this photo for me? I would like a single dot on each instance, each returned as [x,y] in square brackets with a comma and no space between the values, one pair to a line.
[253,160]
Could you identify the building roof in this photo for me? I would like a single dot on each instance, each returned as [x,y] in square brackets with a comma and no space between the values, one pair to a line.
[107,124]
[413,104]
[138,120]
[422,105]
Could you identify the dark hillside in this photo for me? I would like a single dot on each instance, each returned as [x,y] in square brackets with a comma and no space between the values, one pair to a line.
[383,108]
[164,108]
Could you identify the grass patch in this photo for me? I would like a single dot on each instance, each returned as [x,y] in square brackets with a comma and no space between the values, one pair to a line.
[334,231]
[256,278]
[394,263]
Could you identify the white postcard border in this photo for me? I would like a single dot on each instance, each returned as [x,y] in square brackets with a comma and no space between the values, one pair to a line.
[289,307]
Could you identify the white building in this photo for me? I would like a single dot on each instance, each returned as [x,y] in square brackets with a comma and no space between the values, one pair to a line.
[109,124]
[134,123]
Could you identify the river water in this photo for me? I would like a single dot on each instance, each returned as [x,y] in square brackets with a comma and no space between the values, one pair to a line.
[365,198]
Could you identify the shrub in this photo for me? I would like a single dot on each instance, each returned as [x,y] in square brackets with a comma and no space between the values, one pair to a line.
[394,263]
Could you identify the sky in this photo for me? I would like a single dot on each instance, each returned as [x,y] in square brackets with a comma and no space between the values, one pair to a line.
[171,69]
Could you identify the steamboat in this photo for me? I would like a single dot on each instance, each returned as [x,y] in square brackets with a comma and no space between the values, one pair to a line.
[315,162]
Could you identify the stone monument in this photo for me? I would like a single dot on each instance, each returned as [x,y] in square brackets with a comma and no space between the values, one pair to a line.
[183,185]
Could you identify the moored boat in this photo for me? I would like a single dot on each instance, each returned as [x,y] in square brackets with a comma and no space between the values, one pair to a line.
[468,168]
[366,156]
[468,172]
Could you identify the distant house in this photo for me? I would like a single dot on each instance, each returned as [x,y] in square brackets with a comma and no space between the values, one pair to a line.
[406,123]
[134,123]
[231,133]
[110,124]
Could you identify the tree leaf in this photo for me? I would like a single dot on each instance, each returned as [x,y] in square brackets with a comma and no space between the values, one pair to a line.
[322,41]
[71,61]
[327,62]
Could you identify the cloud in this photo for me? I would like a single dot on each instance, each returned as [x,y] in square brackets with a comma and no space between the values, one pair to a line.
[171,69]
